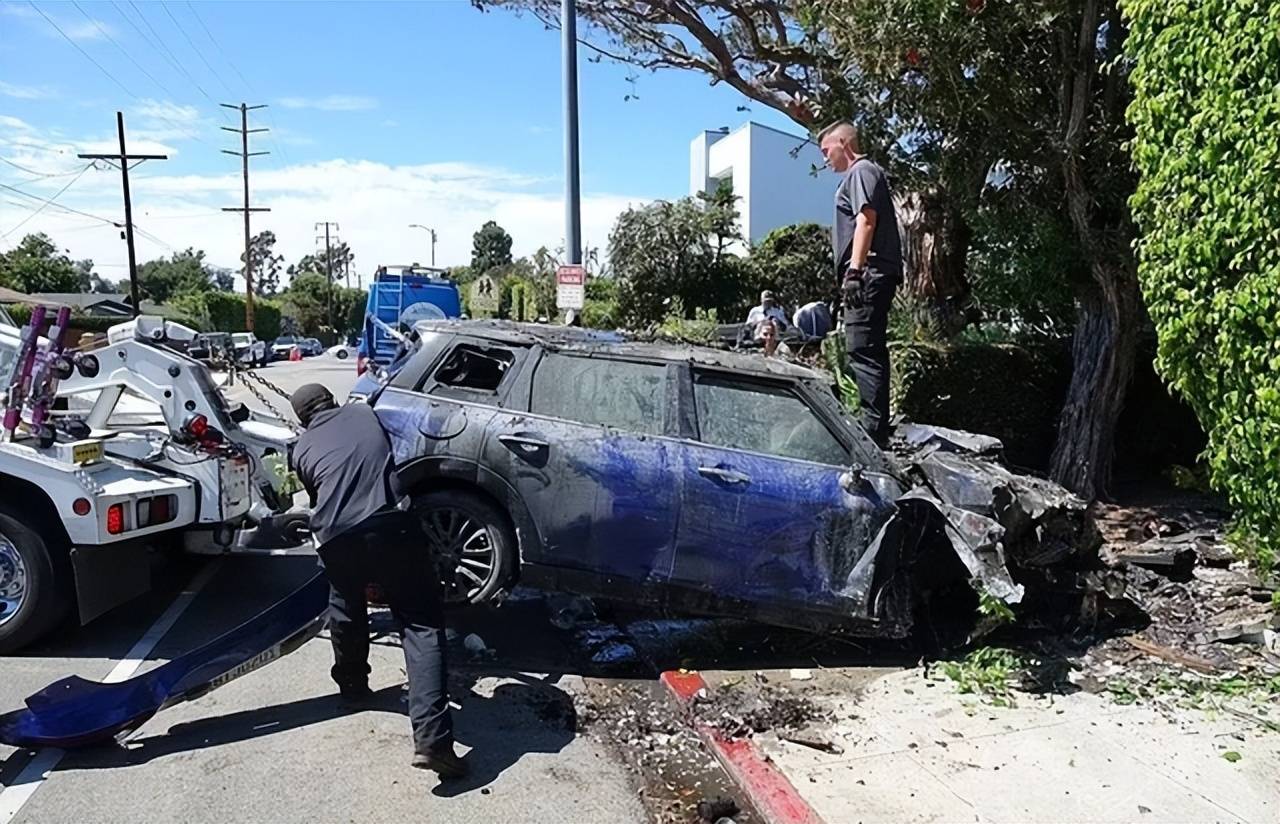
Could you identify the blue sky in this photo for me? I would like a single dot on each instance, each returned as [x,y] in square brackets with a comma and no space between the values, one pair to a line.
[382,114]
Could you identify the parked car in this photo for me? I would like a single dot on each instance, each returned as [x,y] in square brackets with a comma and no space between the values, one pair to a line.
[282,346]
[702,481]
[341,352]
[211,347]
[249,350]
[311,347]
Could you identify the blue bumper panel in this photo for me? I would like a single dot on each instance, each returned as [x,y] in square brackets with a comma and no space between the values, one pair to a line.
[75,712]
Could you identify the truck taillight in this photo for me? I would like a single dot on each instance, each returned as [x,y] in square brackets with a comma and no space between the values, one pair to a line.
[158,510]
[115,519]
[197,426]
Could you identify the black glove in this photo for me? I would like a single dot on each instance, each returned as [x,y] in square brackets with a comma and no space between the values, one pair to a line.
[853,290]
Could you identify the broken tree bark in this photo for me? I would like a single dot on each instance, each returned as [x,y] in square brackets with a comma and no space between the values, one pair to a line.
[935,245]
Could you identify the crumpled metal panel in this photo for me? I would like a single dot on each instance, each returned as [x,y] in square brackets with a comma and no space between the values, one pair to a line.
[75,712]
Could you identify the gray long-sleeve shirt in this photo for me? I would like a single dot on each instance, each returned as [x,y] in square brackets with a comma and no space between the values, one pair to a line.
[865,184]
[345,462]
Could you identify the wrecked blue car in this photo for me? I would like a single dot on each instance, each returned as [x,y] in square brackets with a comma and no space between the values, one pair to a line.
[701,481]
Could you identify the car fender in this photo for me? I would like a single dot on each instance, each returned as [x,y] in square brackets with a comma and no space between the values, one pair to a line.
[436,471]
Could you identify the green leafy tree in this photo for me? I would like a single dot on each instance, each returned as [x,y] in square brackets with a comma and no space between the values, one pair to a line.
[265,263]
[165,278]
[795,262]
[674,256]
[35,265]
[340,258]
[490,247]
[1206,112]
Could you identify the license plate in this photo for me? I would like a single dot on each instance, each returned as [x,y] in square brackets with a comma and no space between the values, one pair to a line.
[86,452]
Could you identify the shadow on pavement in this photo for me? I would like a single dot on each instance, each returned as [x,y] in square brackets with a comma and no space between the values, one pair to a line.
[529,715]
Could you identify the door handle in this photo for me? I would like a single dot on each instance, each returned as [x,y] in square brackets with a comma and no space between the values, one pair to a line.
[727,475]
[524,442]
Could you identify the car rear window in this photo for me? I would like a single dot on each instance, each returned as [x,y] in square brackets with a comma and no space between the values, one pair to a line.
[765,418]
[470,367]
[621,394]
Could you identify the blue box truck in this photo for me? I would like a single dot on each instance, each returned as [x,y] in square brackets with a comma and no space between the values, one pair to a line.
[399,297]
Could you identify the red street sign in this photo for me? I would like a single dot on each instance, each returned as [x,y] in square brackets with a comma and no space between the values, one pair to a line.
[571,274]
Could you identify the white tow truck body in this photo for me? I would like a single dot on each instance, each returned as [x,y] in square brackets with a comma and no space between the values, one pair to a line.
[79,518]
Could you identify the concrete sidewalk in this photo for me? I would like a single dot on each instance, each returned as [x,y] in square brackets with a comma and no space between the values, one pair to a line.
[913,749]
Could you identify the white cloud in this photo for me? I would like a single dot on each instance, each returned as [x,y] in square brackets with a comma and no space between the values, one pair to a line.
[373,204]
[331,103]
[26,92]
[164,120]
[88,30]
[10,122]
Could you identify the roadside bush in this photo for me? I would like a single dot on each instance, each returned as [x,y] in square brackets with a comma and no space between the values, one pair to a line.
[224,312]
[795,262]
[81,323]
[1206,114]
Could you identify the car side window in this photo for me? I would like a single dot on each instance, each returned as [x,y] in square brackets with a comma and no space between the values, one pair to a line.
[621,394]
[762,417]
[470,370]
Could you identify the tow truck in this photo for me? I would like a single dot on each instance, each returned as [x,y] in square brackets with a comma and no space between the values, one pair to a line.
[145,451]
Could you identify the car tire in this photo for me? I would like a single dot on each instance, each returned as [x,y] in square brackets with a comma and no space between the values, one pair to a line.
[342,354]
[32,599]
[472,541]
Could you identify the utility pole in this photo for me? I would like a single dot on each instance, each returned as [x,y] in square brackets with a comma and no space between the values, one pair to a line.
[123,159]
[572,193]
[328,267]
[244,155]
[433,240]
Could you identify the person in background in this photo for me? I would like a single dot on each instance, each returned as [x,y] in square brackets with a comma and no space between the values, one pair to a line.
[768,309]
[868,260]
[813,320]
[771,338]
[344,461]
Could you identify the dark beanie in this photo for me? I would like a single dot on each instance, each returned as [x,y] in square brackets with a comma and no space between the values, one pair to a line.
[310,399]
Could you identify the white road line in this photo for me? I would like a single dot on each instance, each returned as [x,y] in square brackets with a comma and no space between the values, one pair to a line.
[17,794]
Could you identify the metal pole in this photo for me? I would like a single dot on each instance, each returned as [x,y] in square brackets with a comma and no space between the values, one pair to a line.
[128,215]
[433,248]
[572,193]
[328,267]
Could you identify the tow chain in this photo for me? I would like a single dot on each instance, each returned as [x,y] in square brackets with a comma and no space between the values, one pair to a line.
[248,375]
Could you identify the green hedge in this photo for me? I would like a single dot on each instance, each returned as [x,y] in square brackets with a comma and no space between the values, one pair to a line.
[81,323]
[224,312]
[1206,115]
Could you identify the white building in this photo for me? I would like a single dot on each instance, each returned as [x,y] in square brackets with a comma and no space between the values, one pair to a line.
[771,173]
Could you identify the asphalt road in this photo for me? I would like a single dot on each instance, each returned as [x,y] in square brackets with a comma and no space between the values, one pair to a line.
[276,746]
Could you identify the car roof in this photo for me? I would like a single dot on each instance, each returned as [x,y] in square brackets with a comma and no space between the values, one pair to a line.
[594,341]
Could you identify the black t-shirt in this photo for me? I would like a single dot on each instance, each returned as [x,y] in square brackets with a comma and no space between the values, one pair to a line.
[865,184]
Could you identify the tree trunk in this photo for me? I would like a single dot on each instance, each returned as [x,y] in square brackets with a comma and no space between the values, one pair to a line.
[935,245]
[1102,351]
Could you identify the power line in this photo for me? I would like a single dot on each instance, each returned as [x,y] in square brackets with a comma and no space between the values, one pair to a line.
[22,168]
[183,130]
[15,189]
[161,47]
[195,48]
[44,205]
[249,86]
[82,51]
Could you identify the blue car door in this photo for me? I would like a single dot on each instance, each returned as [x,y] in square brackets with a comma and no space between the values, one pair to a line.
[764,517]
[590,463]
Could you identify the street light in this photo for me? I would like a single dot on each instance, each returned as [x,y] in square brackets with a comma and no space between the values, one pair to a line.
[433,239]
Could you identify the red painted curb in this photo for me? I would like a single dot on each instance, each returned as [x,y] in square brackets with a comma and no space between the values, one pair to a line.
[765,787]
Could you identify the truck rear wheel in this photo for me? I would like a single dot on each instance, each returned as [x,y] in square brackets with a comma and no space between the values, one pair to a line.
[31,597]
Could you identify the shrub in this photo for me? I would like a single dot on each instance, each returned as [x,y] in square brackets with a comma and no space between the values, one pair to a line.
[1206,114]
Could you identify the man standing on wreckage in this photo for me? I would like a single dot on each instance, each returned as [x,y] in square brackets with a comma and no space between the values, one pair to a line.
[345,462]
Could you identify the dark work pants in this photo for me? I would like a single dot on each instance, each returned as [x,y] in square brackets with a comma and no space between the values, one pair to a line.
[866,330]
[389,550]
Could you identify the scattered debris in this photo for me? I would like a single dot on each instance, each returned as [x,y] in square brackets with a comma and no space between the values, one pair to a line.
[801,675]
[1232,756]
[813,742]
[755,708]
